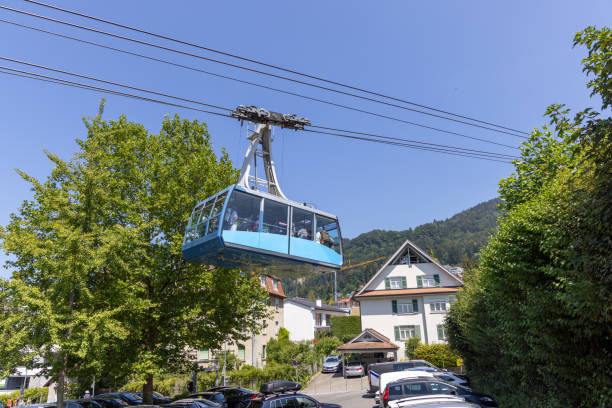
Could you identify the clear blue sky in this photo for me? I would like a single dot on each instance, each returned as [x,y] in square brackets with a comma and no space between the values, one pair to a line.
[503,62]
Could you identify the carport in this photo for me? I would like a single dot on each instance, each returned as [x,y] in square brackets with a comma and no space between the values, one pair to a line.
[371,346]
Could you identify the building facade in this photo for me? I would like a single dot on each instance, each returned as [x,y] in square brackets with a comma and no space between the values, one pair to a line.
[409,297]
[303,318]
[253,350]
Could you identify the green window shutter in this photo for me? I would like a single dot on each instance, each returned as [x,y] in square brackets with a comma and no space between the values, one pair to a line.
[404,284]
[437,279]
[415,305]
[419,281]
[387,283]
[397,333]
[394,306]
[440,332]
[417,331]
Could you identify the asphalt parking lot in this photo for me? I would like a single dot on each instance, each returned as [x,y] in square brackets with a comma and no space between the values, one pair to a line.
[346,399]
[335,383]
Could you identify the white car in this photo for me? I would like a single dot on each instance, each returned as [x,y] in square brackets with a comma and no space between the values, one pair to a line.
[432,401]
[387,378]
[444,376]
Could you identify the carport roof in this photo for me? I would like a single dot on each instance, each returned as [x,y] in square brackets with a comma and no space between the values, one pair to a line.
[368,341]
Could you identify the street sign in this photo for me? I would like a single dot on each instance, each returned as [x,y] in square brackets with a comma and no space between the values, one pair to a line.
[459,362]
[294,363]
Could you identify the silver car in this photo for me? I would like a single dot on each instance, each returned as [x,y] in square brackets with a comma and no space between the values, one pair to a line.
[432,401]
[354,369]
[332,364]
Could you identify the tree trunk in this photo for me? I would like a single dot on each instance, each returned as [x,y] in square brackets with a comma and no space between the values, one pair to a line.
[59,390]
[147,391]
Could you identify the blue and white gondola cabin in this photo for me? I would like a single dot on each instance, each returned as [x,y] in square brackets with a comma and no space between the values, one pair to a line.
[243,229]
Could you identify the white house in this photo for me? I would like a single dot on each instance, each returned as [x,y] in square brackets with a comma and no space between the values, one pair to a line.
[303,317]
[409,296]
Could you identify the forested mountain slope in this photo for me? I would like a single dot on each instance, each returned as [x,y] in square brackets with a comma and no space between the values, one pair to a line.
[449,240]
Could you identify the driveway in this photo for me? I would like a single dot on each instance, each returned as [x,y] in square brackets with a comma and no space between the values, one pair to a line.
[347,399]
[335,383]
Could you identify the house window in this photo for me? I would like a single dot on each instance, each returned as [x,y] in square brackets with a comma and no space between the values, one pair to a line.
[428,281]
[406,332]
[396,283]
[262,278]
[263,352]
[204,354]
[404,307]
[442,335]
[438,306]
[264,329]
[318,319]
[275,283]
[241,352]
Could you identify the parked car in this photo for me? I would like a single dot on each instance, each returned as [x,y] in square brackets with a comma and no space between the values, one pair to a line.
[432,401]
[354,369]
[411,387]
[393,376]
[158,398]
[227,397]
[332,364]
[191,403]
[445,376]
[87,403]
[110,402]
[285,394]
[129,397]
[377,369]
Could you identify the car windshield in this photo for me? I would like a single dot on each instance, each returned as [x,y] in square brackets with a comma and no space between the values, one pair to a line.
[331,359]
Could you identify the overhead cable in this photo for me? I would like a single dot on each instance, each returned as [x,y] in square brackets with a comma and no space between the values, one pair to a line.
[258,85]
[199,102]
[254,70]
[60,81]
[318,78]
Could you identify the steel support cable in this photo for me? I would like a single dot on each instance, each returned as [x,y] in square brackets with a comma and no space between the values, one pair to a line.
[257,85]
[251,69]
[318,78]
[492,154]
[114,83]
[59,81]
[444,151]
[500,155]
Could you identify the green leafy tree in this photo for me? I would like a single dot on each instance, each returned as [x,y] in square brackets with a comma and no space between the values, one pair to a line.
[100,284]
[410,345]
[533,321]
[327,346]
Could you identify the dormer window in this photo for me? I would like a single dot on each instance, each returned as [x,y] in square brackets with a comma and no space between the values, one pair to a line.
[428,281]
[275,283]
[262,278]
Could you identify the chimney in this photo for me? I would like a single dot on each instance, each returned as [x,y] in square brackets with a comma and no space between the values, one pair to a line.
[318,302]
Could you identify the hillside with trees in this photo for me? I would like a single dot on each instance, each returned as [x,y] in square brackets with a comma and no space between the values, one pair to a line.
[449,241]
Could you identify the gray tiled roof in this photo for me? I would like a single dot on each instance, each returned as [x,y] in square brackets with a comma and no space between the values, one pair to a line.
[311,304]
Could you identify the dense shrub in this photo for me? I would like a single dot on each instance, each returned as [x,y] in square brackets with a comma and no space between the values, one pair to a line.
[410,345]
[440,355]
[345,327]
[327,346]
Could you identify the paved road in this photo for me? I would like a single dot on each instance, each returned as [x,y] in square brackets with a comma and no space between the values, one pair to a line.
[349,399]
[334,383]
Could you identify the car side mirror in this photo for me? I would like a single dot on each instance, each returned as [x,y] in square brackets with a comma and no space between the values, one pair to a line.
[453,392]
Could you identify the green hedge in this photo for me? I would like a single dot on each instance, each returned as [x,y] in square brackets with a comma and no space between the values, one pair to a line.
[440,355]
[36,394]
[345,327]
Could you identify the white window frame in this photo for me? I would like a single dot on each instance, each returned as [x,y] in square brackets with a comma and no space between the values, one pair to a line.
[428,281]
[395,282]
[407,330]
[275,283]
[404,306]
[438,306]
[444,333]
[262,279]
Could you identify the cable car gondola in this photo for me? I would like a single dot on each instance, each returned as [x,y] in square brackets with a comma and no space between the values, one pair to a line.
[252,225]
